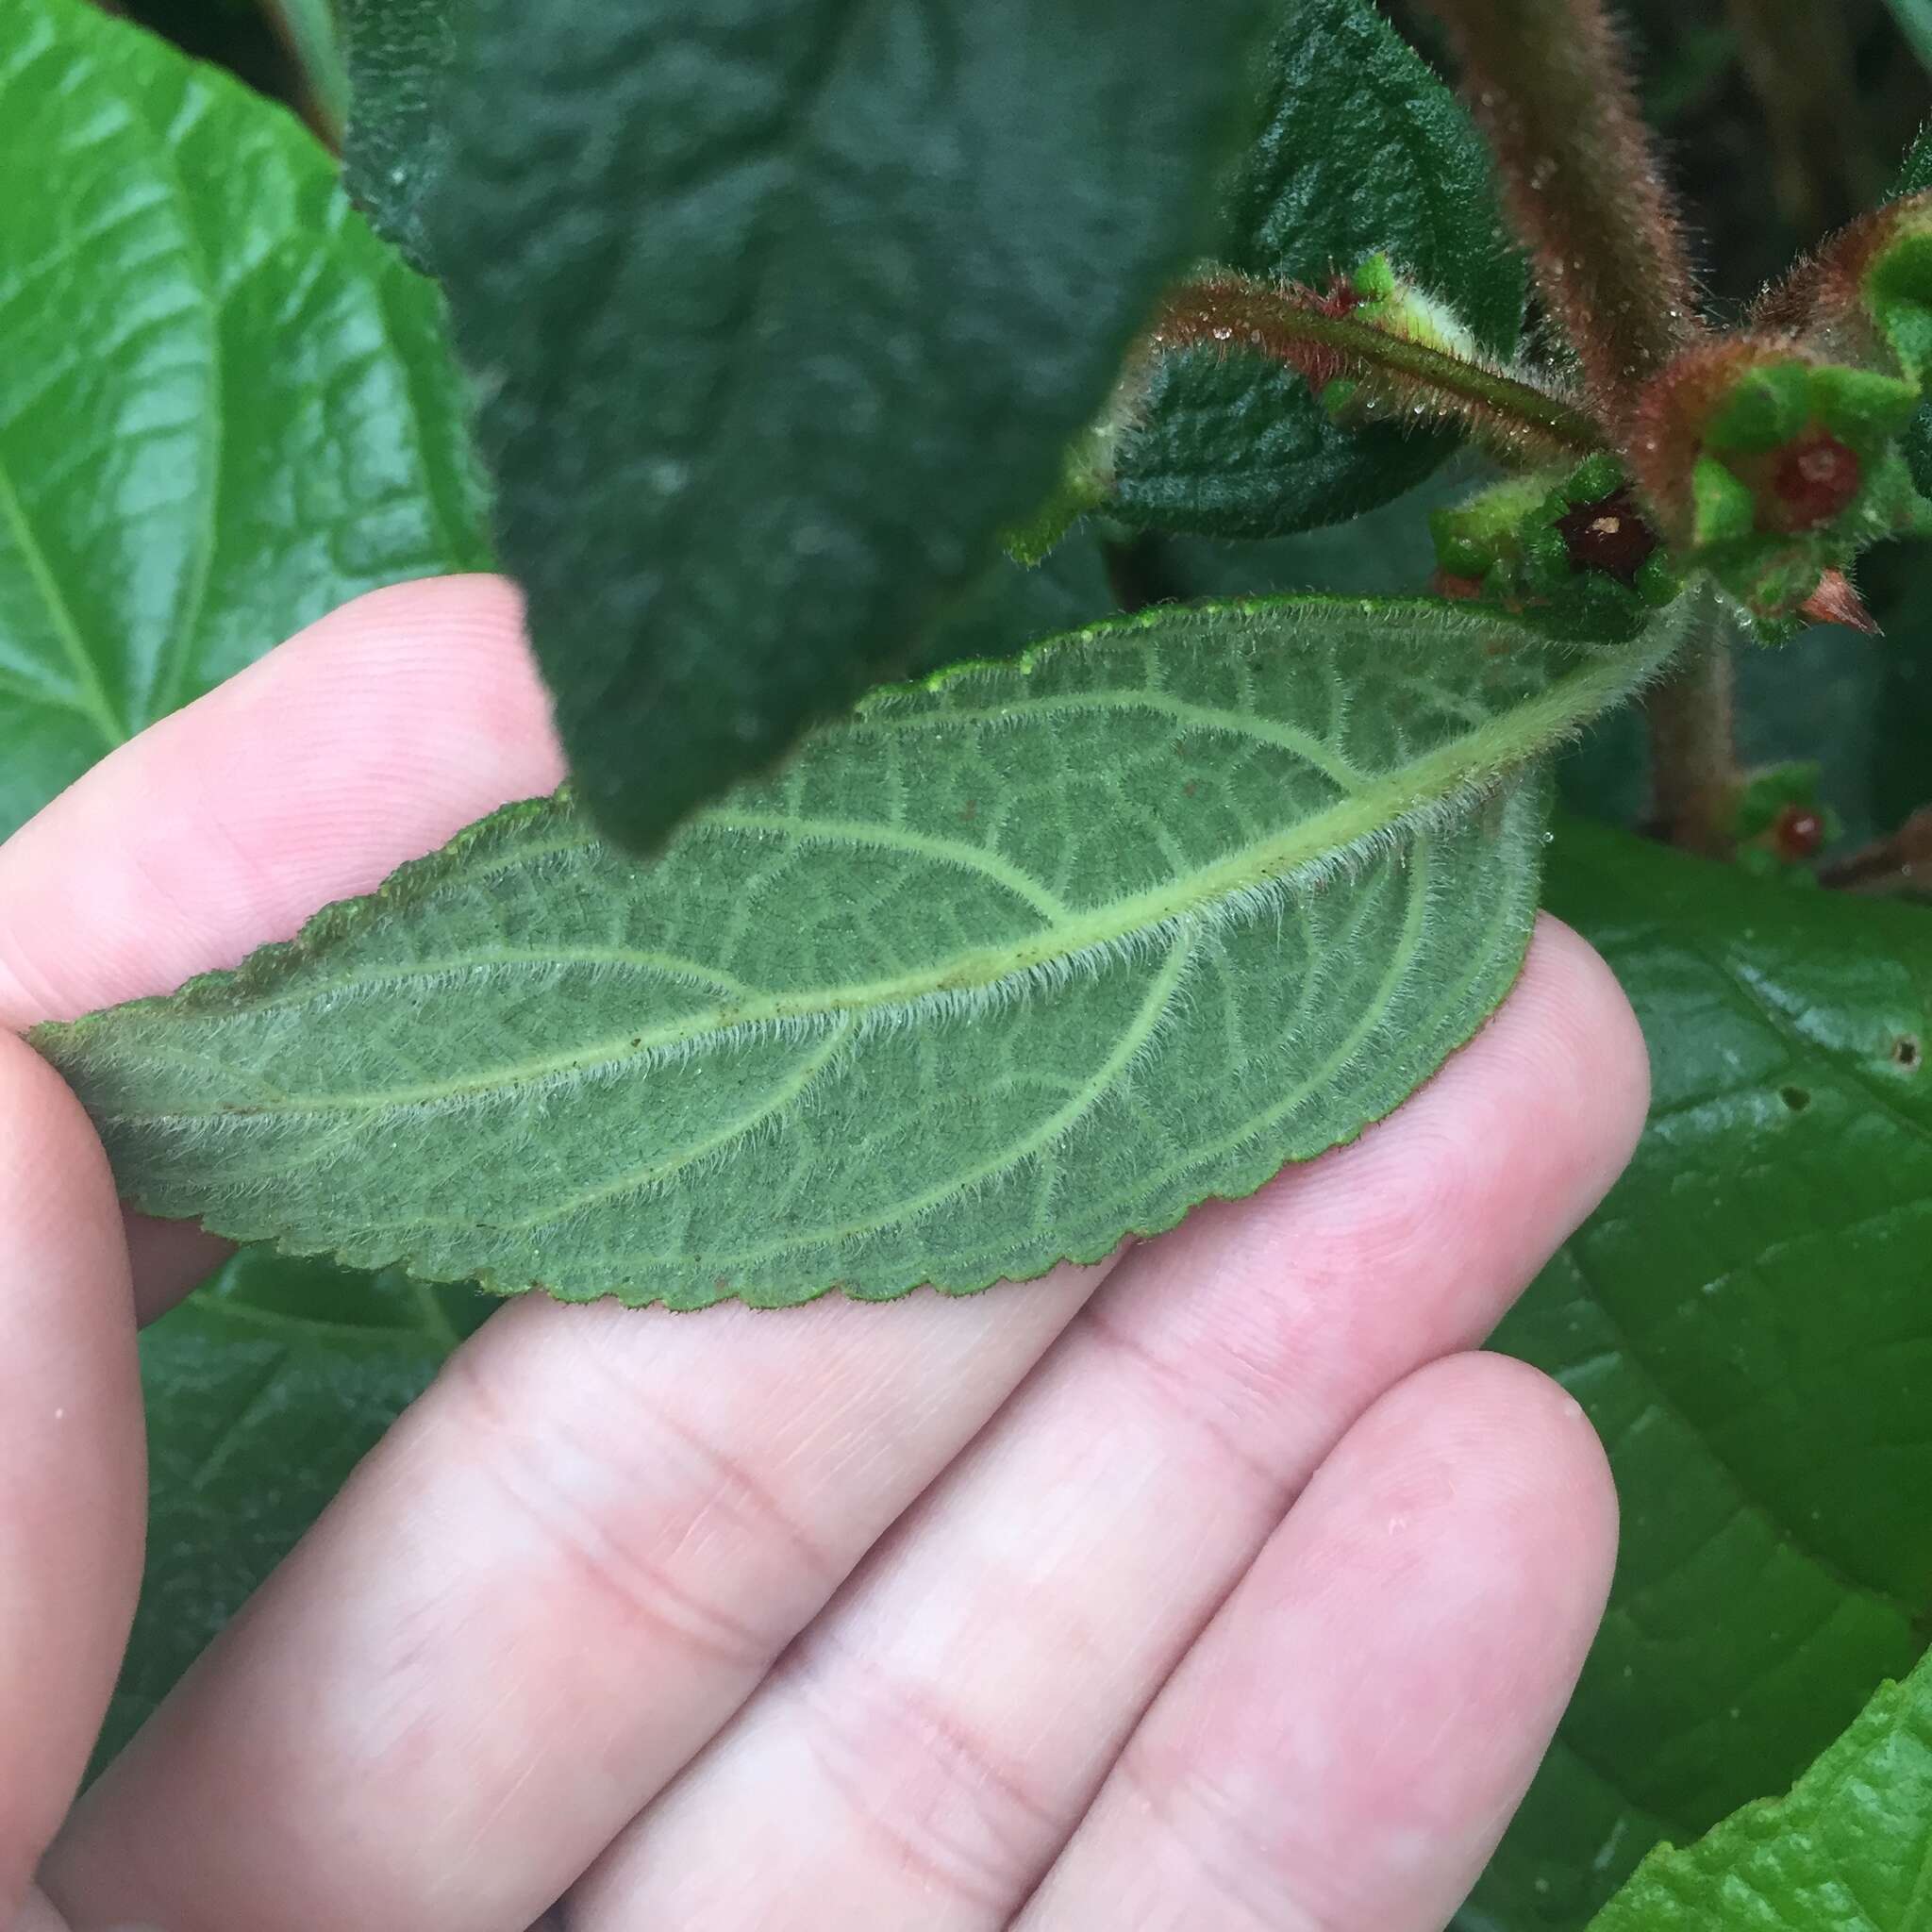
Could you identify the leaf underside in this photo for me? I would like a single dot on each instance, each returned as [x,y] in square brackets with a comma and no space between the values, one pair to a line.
[1005,967]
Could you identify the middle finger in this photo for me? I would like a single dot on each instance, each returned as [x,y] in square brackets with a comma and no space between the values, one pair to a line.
[543,1591]
[926,1747]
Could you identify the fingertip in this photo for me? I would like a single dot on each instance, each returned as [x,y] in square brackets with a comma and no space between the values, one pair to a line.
[365,741]
[456,645]
[72,1470]
[1387,1676]
[1516,1140]
[1441,1583]
[1520,1454]
[1598,1059]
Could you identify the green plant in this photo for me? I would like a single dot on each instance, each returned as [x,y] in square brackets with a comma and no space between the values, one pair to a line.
[1172,893]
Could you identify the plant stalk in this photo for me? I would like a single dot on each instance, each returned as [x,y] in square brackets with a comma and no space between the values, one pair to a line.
[1552,89]
[1900,863]
[1286,326]
[1694,754]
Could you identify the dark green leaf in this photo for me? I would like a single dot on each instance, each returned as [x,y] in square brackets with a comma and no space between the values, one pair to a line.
[781,310]
[1014,604]
[226,408]
[1850,1850]
[1387,552]
[398,55]
[1748,1319]
[1233,447]
[263,1390]
[1363,150]
[996,971]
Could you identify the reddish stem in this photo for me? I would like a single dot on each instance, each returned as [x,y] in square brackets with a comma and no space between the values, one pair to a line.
[1551,86]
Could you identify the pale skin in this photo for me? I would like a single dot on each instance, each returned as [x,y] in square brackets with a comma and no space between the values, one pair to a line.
[1222,1584]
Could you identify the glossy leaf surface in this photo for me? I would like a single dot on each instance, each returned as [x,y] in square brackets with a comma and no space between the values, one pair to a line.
[1850,1850]
[999,970]
[1748,1321]
[226,408]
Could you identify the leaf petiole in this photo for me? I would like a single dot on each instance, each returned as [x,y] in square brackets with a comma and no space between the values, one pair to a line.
[1293,326]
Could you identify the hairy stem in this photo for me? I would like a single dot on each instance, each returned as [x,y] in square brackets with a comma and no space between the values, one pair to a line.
[1693,755]
[1899,863]
[1552,88]
[1292,327]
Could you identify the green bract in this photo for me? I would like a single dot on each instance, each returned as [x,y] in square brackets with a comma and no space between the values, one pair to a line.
[1002,969]
[226,408]
[762,377]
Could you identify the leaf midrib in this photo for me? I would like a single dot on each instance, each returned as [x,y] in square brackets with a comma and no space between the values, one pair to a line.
[90,696]
[166,686]
[1464,766]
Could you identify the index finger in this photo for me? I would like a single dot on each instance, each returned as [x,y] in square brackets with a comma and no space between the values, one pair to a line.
[71,1471]
[366,741]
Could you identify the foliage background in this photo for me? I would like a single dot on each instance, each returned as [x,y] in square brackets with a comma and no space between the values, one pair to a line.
[1746,1319]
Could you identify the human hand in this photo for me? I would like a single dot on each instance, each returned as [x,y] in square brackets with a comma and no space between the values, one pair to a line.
[1215,1585]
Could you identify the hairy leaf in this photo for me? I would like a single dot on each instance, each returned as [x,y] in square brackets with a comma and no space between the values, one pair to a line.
[224,408]
[1914,177]
[782,310]
[1746,1320]
[1386,553]
[1915,172]
[1850,1850]
[263,1392]
[398,55]
[1363,150]
[997,972]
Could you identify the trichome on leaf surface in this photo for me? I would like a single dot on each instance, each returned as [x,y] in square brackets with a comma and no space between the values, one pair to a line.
[1229,851]
[914,351]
